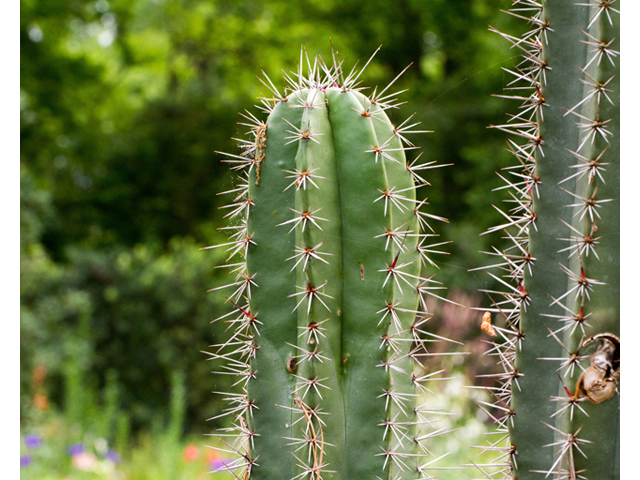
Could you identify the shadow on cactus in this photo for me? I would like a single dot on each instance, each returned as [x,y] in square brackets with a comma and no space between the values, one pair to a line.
[330,325]
[560,307]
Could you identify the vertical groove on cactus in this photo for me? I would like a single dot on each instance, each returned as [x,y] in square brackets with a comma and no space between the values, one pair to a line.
[330,323]
[557,416]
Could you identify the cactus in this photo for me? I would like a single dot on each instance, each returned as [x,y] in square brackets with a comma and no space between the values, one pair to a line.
[330,326]
[560,350]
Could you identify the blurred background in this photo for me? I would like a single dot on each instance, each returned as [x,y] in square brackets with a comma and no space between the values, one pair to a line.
[123,104]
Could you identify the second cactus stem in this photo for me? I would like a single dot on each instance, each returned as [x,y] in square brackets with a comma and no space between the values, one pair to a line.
[330,323]
[560,363]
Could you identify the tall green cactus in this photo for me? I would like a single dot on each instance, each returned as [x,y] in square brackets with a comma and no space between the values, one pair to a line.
[329,327]
[559,360]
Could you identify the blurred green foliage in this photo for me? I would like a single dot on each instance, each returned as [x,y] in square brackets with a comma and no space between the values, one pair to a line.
[123,105]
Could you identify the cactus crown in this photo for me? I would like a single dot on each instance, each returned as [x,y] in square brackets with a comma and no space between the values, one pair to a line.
[330,326]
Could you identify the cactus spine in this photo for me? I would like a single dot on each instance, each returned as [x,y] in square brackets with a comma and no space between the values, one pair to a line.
[560,355]
[328,319]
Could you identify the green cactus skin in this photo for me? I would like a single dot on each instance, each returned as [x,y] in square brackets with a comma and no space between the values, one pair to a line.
[603,427]
[562,272]
[328,319]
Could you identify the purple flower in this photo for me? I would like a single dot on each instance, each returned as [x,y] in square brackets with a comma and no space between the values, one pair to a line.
[32,441]
[218,463]
[113,456]
[25,460]
[75,449]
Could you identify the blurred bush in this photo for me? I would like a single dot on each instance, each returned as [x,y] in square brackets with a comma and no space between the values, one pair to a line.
[116,316]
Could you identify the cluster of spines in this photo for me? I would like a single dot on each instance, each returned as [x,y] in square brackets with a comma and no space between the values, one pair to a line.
[517,261]
[402,440]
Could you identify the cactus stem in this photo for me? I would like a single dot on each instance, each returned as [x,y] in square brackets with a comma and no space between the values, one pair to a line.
[313,471]
[402,343]
[366,112]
